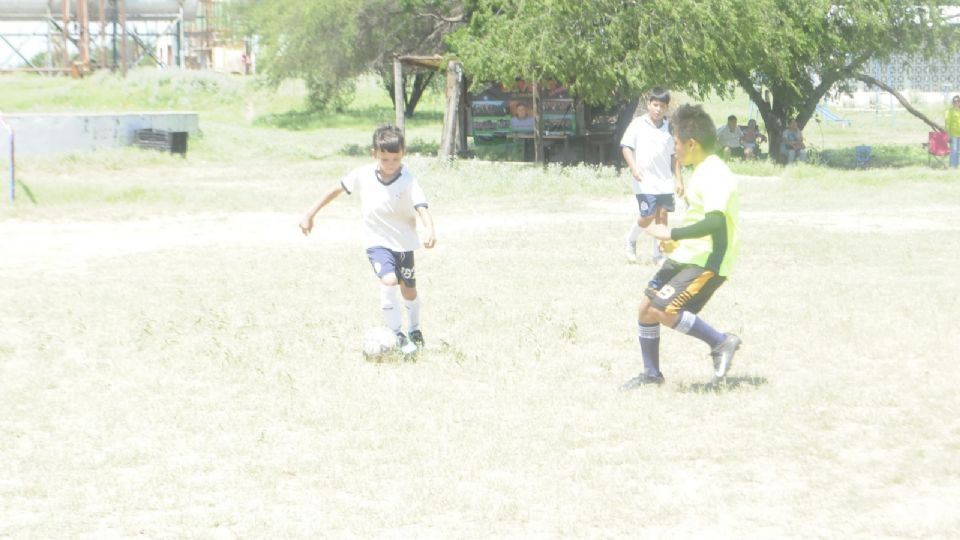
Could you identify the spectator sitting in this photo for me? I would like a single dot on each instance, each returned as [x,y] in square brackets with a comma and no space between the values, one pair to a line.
[729,137]
[793,146]
[752,138]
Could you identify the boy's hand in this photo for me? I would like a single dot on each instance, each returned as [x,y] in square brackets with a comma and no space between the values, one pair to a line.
[636,175]
[660,232]
[306,225]
[679,189]
[430,241]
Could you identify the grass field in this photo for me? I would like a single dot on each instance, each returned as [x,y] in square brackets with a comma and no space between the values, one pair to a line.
[177,361]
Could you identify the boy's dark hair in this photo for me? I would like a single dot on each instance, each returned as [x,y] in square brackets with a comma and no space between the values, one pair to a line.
[659,94]
[731,117]
[388,138]
[692,122]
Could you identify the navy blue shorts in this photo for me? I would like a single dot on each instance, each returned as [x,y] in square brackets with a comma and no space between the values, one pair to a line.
[649,203]
[386,261]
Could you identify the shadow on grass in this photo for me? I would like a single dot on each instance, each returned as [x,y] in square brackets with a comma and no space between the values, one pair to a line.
[391,357]
[726,385]
[301,120]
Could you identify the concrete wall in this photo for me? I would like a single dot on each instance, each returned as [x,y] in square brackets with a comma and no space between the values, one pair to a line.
[38,134]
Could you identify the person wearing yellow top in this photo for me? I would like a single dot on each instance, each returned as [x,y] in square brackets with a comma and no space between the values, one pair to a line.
[953,130]
[701,252]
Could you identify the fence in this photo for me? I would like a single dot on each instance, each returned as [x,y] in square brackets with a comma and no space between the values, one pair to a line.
[8,152]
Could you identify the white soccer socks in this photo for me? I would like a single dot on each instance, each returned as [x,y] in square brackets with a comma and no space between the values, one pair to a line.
[634,233]
[413,314]
[390,304]
[392,316]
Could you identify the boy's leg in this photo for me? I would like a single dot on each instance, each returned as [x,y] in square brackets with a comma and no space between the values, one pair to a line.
[649,339]
[649,336]
[390,305]
[647,206]
[408,289]
[665,204]
[676,304]
[384,266]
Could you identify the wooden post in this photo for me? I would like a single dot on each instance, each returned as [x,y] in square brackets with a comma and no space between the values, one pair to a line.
[537,123]
[84,19]
[65,29]
[398,93]
[103,33]
[462,117]
[448,141]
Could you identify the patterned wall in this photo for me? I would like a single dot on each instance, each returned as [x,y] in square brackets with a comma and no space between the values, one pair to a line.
[914,73]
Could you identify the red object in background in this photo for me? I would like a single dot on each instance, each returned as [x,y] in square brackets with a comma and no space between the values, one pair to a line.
[938,143]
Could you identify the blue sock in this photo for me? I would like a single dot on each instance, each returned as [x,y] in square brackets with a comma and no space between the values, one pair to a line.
[650,348]
[694,326]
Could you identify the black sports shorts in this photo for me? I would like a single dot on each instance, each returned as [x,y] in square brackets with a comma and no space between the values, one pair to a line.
[682,287]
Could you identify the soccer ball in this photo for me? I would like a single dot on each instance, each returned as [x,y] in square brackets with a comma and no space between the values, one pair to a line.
[378,341]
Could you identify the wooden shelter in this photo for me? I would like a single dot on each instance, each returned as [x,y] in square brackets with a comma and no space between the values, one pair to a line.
[453,140]
[573,132]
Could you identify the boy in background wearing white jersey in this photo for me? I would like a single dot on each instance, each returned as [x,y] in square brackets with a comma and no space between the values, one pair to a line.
[702,251]
[648,150]
[390,200]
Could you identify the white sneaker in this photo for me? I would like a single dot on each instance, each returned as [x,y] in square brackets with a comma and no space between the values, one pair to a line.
[631,252]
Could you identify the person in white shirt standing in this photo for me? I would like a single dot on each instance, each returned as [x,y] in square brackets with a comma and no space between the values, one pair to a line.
[648,150]
[390,200]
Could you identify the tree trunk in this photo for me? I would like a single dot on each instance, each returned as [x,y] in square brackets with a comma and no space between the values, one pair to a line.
[398,94]
[903,101]
[420,83]
[538,156]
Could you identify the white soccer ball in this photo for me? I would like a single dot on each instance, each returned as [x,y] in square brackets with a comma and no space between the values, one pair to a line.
[378,341]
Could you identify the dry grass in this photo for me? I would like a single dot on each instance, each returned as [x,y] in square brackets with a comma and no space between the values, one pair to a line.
[182,364]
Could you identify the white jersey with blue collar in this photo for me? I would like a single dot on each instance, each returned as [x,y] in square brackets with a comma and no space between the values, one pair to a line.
[653,151]
[388,209]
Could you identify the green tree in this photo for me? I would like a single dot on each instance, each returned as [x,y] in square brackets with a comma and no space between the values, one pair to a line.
[328,43]
[785,54]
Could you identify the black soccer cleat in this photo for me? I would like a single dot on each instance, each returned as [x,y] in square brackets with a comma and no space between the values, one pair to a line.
[643,379]
[417,338]
[722,355]
[404,345]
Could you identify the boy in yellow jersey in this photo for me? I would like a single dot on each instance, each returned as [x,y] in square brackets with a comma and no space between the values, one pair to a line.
[703,251]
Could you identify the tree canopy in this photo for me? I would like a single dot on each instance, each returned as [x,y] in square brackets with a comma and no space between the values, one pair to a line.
[785,54]
[328,43]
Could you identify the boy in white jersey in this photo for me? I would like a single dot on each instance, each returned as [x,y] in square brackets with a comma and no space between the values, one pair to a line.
[647,148]
[390,200]
[702,251]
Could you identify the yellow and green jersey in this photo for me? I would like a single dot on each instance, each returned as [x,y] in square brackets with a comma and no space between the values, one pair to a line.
[953,121]
[712,188]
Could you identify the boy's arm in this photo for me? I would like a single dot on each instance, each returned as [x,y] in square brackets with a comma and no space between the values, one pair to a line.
[306,224]
[678,176]
[712,222]
[632,165]
[427,221]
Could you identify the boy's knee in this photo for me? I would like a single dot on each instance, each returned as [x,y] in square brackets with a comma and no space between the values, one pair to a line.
[389,280]
[408,293]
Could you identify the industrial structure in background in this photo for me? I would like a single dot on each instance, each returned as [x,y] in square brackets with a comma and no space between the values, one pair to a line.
[79,36]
